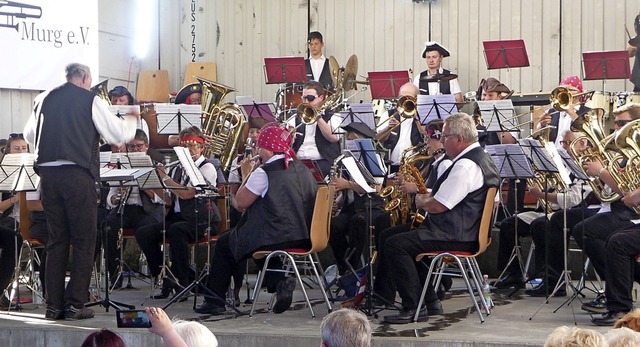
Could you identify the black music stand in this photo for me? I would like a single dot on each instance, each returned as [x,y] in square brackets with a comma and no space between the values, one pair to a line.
[173,118]
[365,153]
[259,110]
[17,175]
[512,163]
[498,115]
[285,70]
[386,84]
[505,54]
[359,112]
[432,107]
[204,191]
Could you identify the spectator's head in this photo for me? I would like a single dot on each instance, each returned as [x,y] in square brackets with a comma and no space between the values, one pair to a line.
[569,337]
[119,95]
[630,320]
[16,144]
[103,338]
[622,337]
[345,327]
[195,334]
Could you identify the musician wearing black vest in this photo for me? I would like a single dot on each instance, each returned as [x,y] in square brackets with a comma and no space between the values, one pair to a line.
[454,210]
[432,80]
[561,121]
[142,207]
[65,126]
[399,133]
[317,141]
[277,199]
[182,224]
[317,64]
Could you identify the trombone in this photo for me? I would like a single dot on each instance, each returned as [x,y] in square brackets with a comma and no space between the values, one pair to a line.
[560,100]
[406,108]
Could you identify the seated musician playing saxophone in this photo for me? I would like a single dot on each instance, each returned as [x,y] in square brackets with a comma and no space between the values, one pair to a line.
[349,233]
[533,224]
[181,227]
[592,233]
[134,207]
[277,198]
[319,140]
[454,210]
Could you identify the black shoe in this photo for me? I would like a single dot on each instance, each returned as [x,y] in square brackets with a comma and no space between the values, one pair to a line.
[406,316]
[210,308]
[5,304]
[78,313]
[608,319]
[434,308]
[542,290]
[284,294]
[53,314]
[599,305]
[167,288]
[510,281]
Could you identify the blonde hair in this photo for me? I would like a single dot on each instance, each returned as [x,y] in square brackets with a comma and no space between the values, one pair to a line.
[575,337]
[622,337]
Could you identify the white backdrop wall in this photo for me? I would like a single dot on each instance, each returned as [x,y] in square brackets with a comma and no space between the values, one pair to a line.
[383,34]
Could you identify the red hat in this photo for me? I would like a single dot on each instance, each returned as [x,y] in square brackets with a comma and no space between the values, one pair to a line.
[277,138]
[573,81]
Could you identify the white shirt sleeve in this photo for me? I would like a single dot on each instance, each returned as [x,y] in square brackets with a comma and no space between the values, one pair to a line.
[114,130]
[464,178]
[258,182]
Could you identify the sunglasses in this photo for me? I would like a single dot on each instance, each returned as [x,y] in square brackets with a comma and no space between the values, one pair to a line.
[621,123]
[15,135]
[309,97]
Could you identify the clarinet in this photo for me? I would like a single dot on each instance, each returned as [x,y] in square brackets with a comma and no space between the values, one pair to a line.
[123,200]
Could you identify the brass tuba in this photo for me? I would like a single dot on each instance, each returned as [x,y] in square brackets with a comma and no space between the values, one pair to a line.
[102,91]
[224,123]
[590,125]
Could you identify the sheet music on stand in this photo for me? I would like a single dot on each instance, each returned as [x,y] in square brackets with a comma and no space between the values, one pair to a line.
[17,173]
[498,115]
[189,166]
[122,110]
[511,161]
[149,180]
[364,152]
[359,112]
[358,173]
[545,159]
[431,107]
[173,118]
[571,164]
[105,158]
[123,176]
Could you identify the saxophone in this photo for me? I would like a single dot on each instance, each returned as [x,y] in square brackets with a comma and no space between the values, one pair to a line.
[416,175]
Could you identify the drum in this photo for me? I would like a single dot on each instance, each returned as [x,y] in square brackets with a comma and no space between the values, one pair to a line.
[623,98]
[289,98]
[603,100]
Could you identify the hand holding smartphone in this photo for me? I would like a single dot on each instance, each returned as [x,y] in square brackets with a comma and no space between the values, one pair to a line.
[133,319]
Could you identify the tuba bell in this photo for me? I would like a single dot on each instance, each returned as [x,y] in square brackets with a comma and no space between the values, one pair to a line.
[224,123]
[102,91]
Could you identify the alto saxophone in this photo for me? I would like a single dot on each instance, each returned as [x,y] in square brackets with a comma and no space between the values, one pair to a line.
[416,175]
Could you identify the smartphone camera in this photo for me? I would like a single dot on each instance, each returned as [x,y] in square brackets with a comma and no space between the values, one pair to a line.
[133,319]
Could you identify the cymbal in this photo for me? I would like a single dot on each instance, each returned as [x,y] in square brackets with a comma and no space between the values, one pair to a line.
[438,77]
[350,72]
[334,68]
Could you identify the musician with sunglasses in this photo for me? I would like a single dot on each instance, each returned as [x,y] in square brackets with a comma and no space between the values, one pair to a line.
[9,215]
[318,141]
[136,208]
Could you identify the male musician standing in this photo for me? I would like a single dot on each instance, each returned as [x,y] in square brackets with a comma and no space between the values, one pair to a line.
[454,209]
[65,127]
[399,133]
[317,64]
[278,199]
[317,141]
[142,207]
[633,51]
[433,81]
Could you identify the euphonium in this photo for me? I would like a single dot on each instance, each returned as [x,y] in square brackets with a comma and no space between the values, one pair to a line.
[541,179]
[592,131]
[224,123]
[627,140]
[102,91]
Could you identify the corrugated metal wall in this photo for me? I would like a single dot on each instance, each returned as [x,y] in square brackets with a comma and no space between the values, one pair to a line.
[383,34]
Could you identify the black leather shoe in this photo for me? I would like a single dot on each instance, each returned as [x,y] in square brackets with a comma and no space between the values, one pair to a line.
[284,294]
[608,319]
[599,305]
[434,308]
[510,281]
[53,314]
[210,308]
[167,288]
[406,316]
[541,290]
